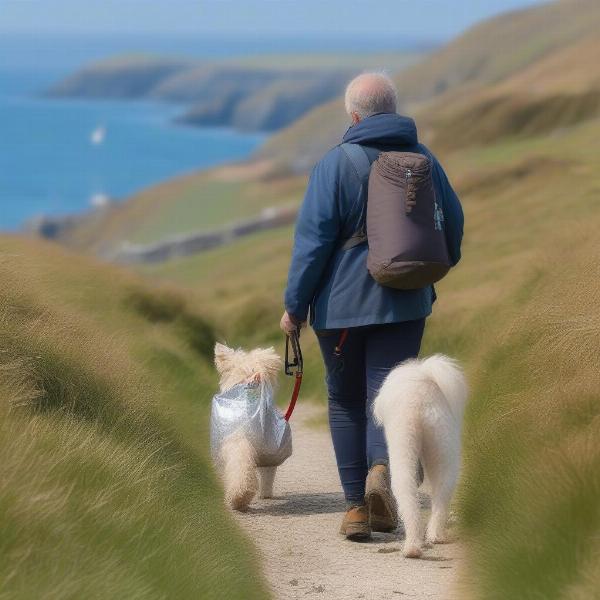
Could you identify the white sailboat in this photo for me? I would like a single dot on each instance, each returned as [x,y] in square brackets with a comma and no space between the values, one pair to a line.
[99,200]
[98,135]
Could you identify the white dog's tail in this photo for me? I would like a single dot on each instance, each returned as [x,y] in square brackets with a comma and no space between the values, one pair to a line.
[239,471]
[449,377]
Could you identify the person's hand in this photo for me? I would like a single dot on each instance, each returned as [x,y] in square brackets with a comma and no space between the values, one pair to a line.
[290,324]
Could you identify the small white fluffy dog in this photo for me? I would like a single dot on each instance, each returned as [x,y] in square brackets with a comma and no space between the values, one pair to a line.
[421,406]
[241,477]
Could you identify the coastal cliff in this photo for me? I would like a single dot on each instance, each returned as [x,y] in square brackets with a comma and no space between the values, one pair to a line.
[246,97]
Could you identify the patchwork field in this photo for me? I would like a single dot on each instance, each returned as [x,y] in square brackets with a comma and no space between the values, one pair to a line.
[199,202]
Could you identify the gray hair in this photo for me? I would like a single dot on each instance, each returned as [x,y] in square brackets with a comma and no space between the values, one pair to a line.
[371,93]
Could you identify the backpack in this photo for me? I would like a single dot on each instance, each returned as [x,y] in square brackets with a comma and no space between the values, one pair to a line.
[404,224]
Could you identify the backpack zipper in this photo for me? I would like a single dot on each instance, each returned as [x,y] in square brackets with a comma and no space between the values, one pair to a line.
[408,176]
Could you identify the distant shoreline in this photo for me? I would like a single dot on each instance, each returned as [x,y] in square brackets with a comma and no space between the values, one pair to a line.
[256,94]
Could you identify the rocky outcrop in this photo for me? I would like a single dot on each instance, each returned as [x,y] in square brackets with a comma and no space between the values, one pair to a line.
[250,98]
[270,106]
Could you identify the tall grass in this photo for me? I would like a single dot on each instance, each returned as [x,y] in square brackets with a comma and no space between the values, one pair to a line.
[530,501]
[102,495]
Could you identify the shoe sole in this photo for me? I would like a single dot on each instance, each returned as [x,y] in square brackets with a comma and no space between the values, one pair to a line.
[360,532]
[358,536]
[380,513]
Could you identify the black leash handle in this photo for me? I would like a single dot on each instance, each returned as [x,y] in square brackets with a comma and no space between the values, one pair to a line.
[296,365]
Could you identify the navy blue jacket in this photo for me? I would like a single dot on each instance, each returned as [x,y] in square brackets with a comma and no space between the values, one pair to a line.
[335,283]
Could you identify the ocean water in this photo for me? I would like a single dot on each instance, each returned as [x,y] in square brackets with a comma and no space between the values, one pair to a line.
[48,162]
[61,156]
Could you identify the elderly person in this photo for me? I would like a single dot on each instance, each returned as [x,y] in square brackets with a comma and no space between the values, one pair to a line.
[363,328]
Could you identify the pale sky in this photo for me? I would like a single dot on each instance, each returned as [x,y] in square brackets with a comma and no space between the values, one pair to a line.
[419,19]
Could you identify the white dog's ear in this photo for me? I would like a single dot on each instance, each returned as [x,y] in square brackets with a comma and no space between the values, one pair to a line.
[223,357]
[268,363]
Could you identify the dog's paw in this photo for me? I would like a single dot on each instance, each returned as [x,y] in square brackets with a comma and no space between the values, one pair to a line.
[266,495]
[437,538]
[241,502]
[412,550]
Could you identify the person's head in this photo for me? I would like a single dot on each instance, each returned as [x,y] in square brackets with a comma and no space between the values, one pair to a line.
[369,94]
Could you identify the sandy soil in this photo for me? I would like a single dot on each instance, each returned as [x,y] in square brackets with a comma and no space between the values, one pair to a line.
[303,554]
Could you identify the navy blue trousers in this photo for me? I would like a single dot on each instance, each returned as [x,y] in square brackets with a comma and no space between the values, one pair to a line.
[353,381]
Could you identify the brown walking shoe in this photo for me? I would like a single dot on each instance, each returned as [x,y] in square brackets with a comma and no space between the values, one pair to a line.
[380,501]
[355,525]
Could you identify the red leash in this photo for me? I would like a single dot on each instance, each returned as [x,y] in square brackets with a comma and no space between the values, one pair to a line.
[295,393]
[298,364]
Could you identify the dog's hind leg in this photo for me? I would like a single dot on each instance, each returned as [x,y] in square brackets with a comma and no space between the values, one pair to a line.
[239,471]
[404,449]
[442,463]
[266,478]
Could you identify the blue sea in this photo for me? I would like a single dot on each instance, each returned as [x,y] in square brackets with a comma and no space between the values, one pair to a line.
[62,156]
[49,163]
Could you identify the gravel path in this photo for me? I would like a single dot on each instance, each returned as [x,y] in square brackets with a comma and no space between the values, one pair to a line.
[303,554]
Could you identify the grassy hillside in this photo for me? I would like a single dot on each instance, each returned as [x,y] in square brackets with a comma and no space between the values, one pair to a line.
[501,46]
[560,90]
[106,489]
[198,202]
[462,73]
[531,489]
[130,76]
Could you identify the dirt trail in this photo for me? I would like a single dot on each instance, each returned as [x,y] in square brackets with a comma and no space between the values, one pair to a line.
[303,554]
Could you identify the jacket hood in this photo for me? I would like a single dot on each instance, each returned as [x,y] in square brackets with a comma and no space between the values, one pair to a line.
[384,128]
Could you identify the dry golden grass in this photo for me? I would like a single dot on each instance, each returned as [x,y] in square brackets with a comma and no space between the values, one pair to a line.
[530,498]
[104,492]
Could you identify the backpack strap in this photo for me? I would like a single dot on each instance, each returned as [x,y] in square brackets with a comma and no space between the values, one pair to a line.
[358,238]
[359,159]
[361,162]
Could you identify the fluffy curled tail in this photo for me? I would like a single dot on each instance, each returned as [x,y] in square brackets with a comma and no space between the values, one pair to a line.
[449,377]
[239,471]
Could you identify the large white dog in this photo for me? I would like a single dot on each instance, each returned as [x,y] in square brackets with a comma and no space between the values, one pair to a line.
[421,406]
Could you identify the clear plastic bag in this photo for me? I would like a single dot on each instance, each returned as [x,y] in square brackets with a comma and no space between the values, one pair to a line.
[250,407]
